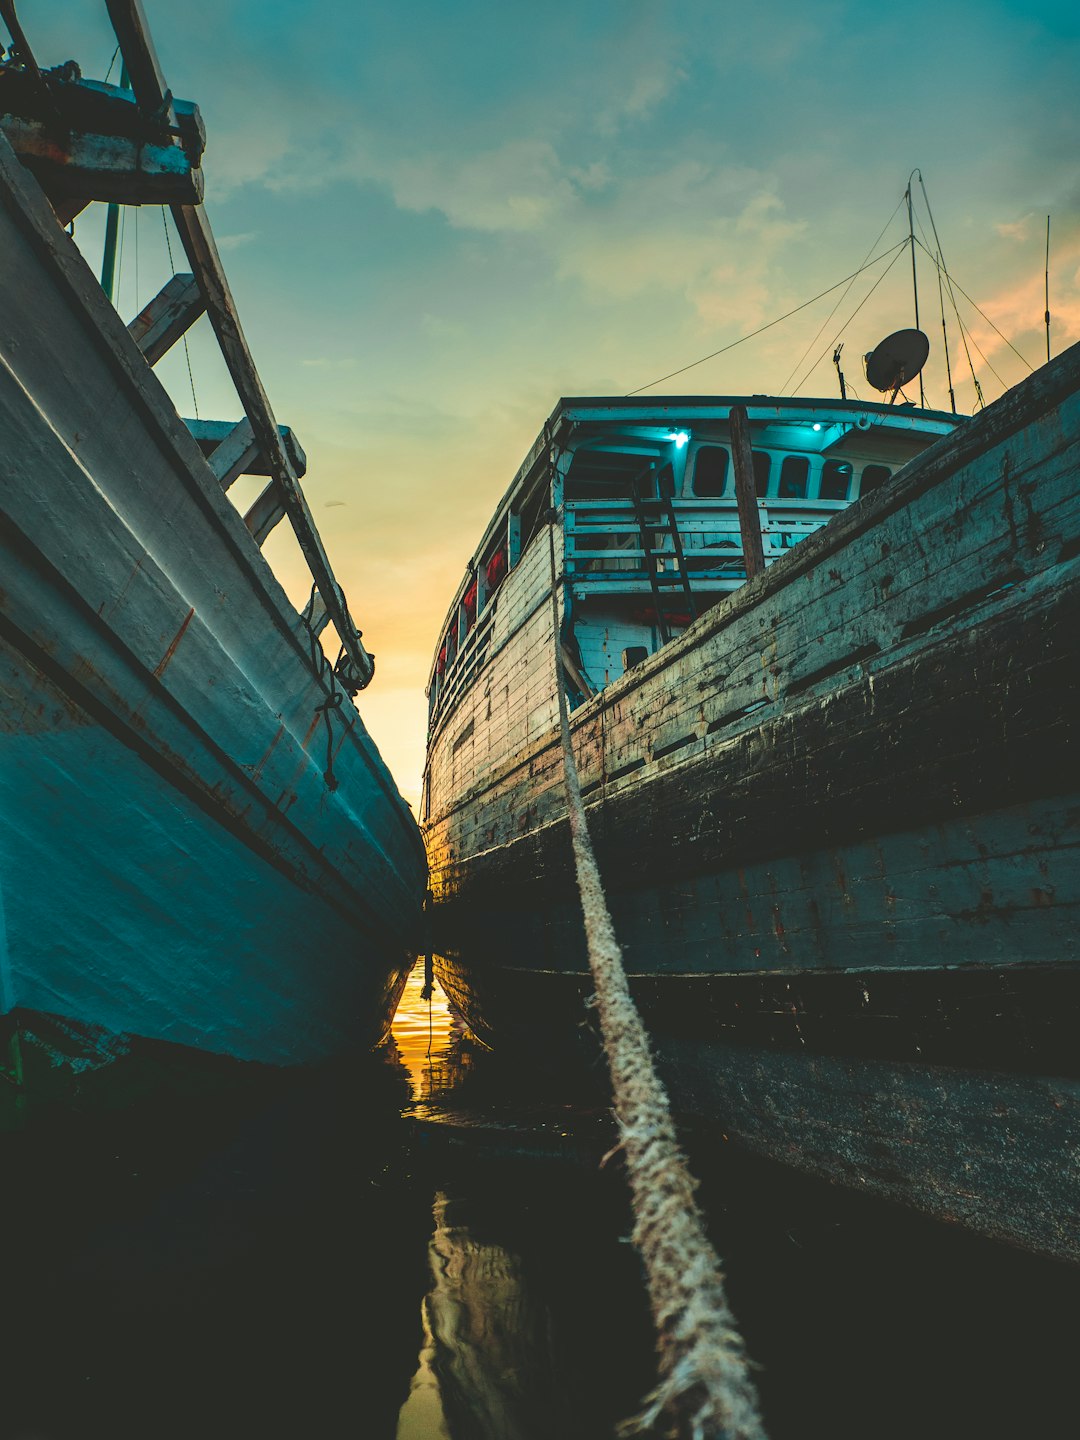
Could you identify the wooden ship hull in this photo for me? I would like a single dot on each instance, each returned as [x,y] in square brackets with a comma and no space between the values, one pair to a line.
[837,822]
[203,857]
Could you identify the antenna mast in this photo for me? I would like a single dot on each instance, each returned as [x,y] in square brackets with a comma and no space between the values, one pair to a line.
[914,276]
[1047,315]
[840,373]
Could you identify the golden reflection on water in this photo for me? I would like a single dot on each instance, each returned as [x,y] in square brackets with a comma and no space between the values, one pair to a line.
[426,1035]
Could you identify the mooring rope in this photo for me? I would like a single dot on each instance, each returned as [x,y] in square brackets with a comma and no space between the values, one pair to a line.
[705,1391]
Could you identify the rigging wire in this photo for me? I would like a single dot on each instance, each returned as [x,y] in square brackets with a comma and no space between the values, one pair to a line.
[769,325]
[798,363]
[898,252]
[939,260]
[950,281]
[112,62]
[187,352]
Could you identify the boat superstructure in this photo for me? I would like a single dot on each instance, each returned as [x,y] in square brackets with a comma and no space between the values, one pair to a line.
[648,538]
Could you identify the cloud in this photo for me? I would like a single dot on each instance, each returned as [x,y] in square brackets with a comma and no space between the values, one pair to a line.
[234,242]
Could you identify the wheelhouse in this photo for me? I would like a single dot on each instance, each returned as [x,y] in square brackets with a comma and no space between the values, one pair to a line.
[647,522]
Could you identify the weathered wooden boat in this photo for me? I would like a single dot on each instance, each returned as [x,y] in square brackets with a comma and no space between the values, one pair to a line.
[835,813]
[203,855]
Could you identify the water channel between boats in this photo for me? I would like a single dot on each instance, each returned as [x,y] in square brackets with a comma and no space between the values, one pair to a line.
[431,1250]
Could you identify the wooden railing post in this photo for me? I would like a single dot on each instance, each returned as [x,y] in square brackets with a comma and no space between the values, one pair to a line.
[746,492]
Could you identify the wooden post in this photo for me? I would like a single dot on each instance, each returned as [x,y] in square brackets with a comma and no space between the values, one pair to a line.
[745,492]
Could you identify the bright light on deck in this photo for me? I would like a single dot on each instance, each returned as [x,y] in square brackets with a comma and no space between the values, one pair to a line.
[680,437]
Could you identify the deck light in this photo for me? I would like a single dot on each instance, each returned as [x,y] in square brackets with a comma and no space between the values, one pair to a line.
[817,425]
[680,437]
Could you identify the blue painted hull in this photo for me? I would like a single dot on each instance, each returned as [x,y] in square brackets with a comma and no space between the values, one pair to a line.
[201,844]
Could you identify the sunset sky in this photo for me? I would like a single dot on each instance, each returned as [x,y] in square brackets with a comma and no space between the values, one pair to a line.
[438,218]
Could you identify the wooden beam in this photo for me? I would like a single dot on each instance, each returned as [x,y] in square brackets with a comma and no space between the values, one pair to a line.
[91,107]
[170,314]
[212,434]
[145,73]
[265,513]
[746,492]
[319,618]
[148,83]
[75,165]
[236,455]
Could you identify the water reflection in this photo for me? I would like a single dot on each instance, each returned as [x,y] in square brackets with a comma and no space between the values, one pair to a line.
[534,1324]
[865,1320]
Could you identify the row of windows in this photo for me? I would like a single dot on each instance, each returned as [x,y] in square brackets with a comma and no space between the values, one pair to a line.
[713,463]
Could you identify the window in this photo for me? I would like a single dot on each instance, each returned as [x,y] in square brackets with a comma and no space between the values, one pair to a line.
[793,477]
[762,464]
[597,474]
[835,479]
[710,472]
[495,570]
[873,477]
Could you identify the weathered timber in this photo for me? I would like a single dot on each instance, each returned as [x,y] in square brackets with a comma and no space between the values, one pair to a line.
[159,695]
[228,445]
[93,107]
[77,167]
[266,512]
[749,516]
[837,821]
[148,83]
[236,454]
[167,317]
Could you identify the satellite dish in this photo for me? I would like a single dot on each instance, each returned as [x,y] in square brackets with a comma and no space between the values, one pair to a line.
[898,359]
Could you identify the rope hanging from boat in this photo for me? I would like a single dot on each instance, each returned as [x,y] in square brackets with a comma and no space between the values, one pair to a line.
[705,1390]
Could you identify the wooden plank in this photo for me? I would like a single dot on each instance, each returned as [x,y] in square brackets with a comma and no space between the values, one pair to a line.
[148,83]
[745,492]
[236,455]
[265,513]
[95,108]
[75,165]
[170,314]
[212,434]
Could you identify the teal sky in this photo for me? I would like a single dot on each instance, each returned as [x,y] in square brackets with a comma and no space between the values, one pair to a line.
[438,219]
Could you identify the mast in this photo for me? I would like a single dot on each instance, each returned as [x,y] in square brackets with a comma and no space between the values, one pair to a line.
[914,275]
[1046,317]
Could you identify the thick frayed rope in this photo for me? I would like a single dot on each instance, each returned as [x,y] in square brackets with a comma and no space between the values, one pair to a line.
[705,1390]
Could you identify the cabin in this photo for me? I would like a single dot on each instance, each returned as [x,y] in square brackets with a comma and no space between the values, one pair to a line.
[648,537]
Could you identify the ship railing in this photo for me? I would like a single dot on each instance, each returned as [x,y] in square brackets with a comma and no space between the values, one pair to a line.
[460,672]
[604,550]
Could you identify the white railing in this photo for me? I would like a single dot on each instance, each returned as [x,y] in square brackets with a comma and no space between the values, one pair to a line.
[604,552]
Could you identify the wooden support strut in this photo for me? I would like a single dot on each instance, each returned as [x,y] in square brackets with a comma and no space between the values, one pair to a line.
[745,491]
[170,314]
[148,83]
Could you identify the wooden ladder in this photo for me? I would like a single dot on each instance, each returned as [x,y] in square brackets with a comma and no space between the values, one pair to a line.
[658,513]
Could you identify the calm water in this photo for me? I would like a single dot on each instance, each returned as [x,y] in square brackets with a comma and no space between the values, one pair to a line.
[426,1250]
